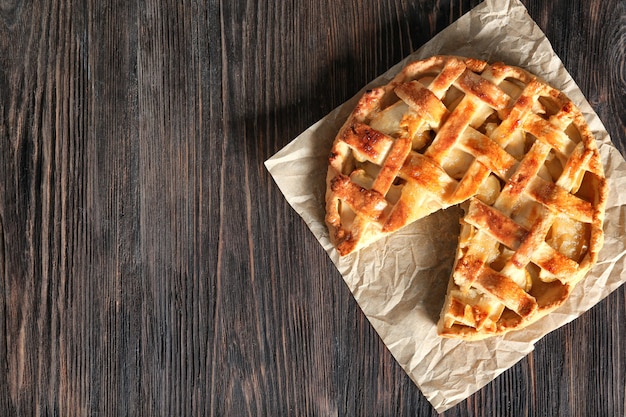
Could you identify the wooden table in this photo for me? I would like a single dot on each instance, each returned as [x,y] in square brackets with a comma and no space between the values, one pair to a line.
[149,264]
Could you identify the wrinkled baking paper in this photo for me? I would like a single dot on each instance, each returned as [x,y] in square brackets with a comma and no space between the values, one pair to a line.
[400,282]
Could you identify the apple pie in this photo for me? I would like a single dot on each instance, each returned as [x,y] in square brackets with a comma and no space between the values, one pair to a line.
[513,152]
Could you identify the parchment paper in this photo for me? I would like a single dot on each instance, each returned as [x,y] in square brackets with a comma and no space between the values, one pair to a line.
[400,282]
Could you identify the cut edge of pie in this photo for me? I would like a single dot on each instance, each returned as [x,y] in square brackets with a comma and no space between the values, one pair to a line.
[515,153]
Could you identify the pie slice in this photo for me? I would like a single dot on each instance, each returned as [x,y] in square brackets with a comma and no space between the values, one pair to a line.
[515,153]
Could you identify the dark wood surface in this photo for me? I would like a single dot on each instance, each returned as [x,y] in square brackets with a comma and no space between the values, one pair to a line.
[150,266]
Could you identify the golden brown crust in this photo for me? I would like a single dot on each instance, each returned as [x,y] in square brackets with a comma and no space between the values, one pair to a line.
[447,130]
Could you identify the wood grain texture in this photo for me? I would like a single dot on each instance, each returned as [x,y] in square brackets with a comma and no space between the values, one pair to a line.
[150,266]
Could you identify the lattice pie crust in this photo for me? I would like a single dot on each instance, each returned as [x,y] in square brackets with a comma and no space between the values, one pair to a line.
[515,153]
